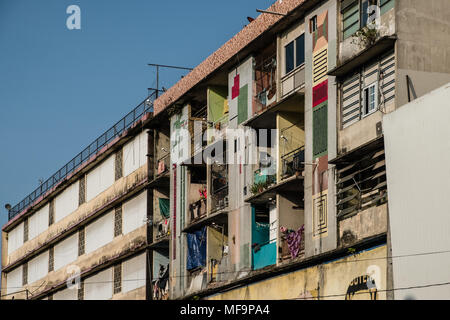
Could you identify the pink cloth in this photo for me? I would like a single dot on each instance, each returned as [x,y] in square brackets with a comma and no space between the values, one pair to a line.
[294,240]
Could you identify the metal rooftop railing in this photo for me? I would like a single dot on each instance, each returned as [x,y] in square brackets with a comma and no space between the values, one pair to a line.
[116,130]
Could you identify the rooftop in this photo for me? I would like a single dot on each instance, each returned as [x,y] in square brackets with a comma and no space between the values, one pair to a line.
[227,52]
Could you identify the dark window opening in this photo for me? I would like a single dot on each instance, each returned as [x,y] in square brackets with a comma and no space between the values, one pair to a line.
[289,49]
[300,50]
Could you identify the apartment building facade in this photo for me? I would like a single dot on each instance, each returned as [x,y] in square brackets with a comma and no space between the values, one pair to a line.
[259,175]
[83,234]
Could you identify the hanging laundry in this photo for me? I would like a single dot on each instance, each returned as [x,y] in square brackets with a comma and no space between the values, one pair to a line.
[196,255]
[294,240]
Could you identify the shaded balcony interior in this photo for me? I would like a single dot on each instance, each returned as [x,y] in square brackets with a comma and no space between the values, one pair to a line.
[218,258]
[161,218]
[162,152]
[196,265]
[264,235]
[160,277]
[265,75]
[291,142]
[291,218]
[218,186]
[197,194]
[265,167]
[199,126]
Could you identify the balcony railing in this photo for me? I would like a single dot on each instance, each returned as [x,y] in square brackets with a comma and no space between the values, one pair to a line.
[122,125]
[293,162]
[219,199]
[162,165]
[293,81]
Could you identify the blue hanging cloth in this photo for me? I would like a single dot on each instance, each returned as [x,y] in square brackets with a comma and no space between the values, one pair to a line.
[196,256]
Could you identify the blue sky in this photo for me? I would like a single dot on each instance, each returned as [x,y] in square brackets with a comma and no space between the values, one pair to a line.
[60,88]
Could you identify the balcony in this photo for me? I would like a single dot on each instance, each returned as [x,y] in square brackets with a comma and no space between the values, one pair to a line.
[265,83]
[160,285]
[219,199]
[293,163]
[161,176]
[197,210]
[262,181]
[293,81]
[161,233]
[264,235]
[163,165]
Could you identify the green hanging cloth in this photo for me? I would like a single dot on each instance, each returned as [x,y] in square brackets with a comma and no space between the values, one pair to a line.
[164,207]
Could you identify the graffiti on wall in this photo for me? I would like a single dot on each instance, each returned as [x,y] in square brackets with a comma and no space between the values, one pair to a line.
[362,288]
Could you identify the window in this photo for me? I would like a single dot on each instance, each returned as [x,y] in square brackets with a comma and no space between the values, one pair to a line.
[289,49]
[295,53]
[370,99]
[369,88]
[117,278]
[367,11]
[361,183]
[313,24]
[300,50]
[357,13]
[118,221]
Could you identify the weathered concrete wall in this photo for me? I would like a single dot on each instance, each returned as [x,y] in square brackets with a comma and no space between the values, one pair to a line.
[364,224]
[335,280]
[423,46]
[99,204]
[136,294]
[119,246]
[289,217]
[359,133]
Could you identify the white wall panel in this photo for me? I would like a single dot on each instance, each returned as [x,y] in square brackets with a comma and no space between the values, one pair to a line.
[133,273]
[15,238]
[38,267]
[66,252]
[38,222]
[66,294]
[100,179]
[135,153]
[66,202]
[134,213]
[100,232]
[14,280]
[100,286]
[417,168]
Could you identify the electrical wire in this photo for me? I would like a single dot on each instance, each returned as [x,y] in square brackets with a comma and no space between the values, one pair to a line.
[378,291]
[249,270]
